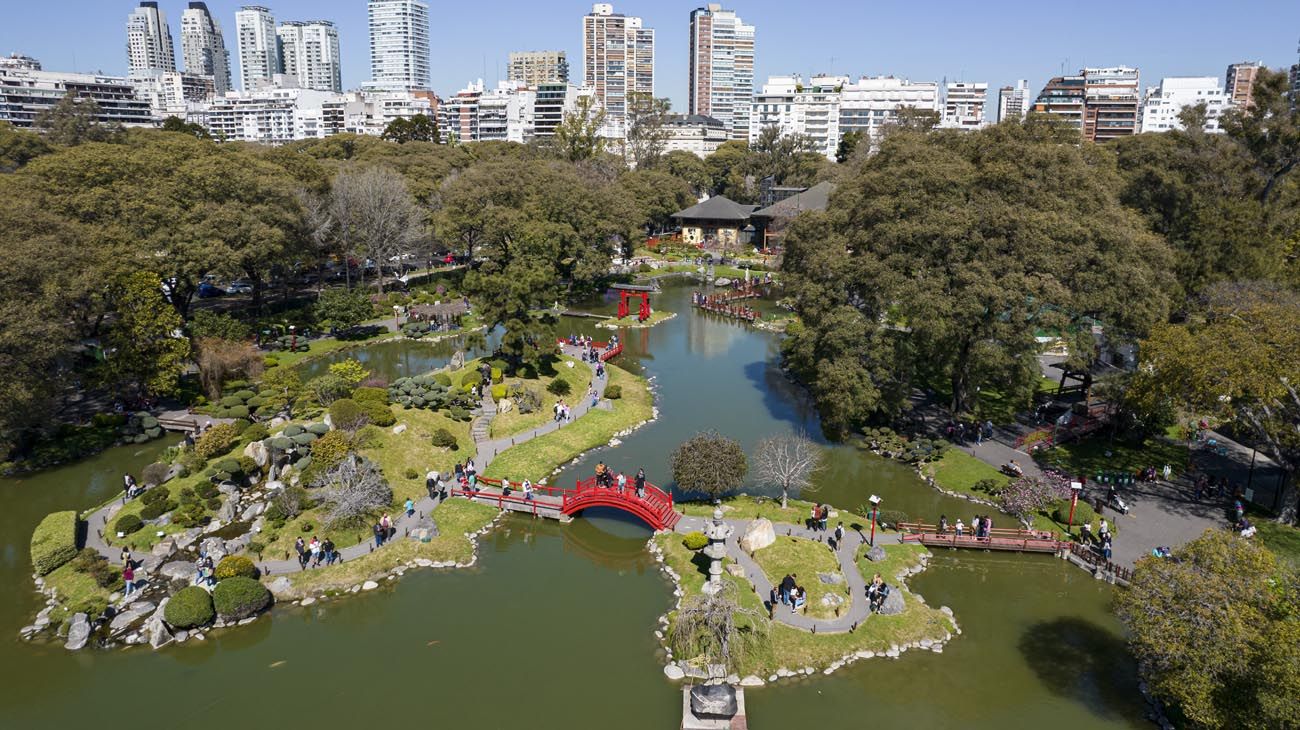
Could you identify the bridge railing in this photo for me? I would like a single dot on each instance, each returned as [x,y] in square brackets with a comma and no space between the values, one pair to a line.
[923,528]
[654,496]
[607,353]
[1088,555]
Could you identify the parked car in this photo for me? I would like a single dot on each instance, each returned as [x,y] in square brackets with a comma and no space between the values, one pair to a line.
[240,287]
[208,291]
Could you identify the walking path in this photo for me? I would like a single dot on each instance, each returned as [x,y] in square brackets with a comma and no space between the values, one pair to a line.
[486,449]
[846,554]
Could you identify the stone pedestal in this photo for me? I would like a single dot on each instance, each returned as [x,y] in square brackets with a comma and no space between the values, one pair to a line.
[717,532]
[713,707]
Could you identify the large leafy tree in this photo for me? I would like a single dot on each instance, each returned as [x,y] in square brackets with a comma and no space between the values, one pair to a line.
[709,464]
[1269,130]
[1215,628]
[537,230]
[945,253]
[419,128]
[654,195]
[1237,357]
[577,137]
[75,120]
[144,347]
[647,132]
[19,146]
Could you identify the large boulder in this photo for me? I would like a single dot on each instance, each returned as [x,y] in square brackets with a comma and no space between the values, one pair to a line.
[280,586]
[179,570]
[78,632]
[876,554]
[215,548]
[713,700]
[156,629]
[893,604]
[164,548]
[228,510]
[758,535]
[258,452]
[125,619]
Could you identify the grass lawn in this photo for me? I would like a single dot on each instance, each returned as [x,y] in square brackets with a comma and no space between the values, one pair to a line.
[77,592]
[147,536]
[745,507]
[1098,454]
[514,422]
[1281,539]
[454,518]
[959,472]
[630,322]
[806,559]
[324,346]
[794,649]
[536,459]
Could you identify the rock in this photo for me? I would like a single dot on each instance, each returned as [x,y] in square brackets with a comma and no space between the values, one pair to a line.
[830,578]
[674,672]
[78,633]
[280,585]
[832,599]
[736,569]
[308,601]
[253,510]
[277,422]
[758,535]
[156,629]
[185,539]
[143,606]
[752,680]
[164,548]
[713,700]
[215,547]
[124,620]
[150,564]
[179,569]
[258,525]
[457,361]
[399,428]
[258,452]
[876,554]
[369,585]
[945,610]
[505,405]
[893,604]
[228,510]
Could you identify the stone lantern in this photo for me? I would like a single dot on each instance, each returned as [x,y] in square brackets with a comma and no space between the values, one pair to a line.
[717,532]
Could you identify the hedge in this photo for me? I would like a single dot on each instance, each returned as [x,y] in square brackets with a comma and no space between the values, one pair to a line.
[613,392]
[443,439]
[127,524]
[189,607]
[378,412]
[54,542]
[1083,513]
[559,386]
[235,565]
[695,540]
[239,597]
[366,394]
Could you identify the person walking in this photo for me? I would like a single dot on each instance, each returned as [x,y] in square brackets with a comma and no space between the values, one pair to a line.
[1103,531]
[622,482]
[387,522]
[640,483]
[126,556]
[528,491]
[839,536]
[128,578]
[314,548]
[327,548]
[410,507]
[379,535]
[300,547]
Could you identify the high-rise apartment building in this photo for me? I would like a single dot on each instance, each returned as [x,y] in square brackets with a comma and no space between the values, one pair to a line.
[259,48]
[1102,103]
[1239,83]
[1162,104]
[309,52]
[618,59]
[721,68]
[963,105]
[535,68]
[399,45]
[1014,101]
[149,41]
[203,47]
[25,92]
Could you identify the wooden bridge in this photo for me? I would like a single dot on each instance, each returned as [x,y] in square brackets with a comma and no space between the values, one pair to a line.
[607,353]
[655,508]
[1017,540]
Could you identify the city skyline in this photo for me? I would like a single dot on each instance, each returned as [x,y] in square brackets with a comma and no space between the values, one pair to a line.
[801,42]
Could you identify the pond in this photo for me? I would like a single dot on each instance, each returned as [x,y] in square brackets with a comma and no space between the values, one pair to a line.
[553,627]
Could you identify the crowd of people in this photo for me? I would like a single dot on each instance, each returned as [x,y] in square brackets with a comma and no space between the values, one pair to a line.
[981,526]
[791,593]
[960,432]
[877,591]
[312,553]
[606,478]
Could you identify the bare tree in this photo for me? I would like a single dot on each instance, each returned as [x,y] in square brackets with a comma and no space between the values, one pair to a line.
[788,461]
[321,227]
[353,490]
[376,215]
[717,628]
[220,359]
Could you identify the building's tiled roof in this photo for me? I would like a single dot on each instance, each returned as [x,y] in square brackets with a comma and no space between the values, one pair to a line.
[717,208]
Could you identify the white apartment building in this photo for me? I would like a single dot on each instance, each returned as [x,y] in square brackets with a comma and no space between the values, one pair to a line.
[721,68]
[829,106]
[26,92]
[507,113]
[552,103]
[534,68]
[259,47]
[174,94]
[149,41]
[1162,104]
[203,47]
[963,105]
[309,52]
[19,62]
[279,114]
[1014,101]
[618,55]
[399,45]
[695,133]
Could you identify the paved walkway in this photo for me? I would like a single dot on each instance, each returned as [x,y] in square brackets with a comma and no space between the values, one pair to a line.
[858,610]
[486,450]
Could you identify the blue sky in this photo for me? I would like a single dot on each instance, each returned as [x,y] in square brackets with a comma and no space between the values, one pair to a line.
[996,41]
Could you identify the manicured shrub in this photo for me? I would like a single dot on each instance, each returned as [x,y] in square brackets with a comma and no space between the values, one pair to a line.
[471,377]
[442,379]
[695,540]
[347,414]
[247,464]
[155,496]
[54,542]
[242,424]
[255,432]
[213,503]
[889,516]
[497,376]
[239,412]
[320,429]
[97,567]
[230,466]
[1083,513]
[498,392]
[235,565]
[443,439]
[458,414]
[127,524]
[331,448]
[378,413]
[613,392]
[216,440]
[157,509]
[245,394]
[291,430]
[559,386]
[188,608]
[988,486]
[231,401]
[155,473]
[411,473]
[281,443]
[366,394]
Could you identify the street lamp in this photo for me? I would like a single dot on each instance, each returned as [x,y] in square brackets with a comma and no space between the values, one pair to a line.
[1075,489]
[875,507]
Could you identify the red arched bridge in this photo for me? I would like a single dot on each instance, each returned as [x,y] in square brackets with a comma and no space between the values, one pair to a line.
[654,507]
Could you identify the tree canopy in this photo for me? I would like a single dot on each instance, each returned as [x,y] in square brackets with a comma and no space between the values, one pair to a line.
[709,464]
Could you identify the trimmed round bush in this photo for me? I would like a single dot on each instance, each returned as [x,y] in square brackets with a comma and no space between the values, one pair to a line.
[228,465]
[1083,512]
[613,392]
[331,448]
[231,401]
[155,496]
[127,524]
[281,443]
[498,392]
[411,473]
[240,597]
[497,376]
[157,509]
[54,542]
[242,424]
[443,439]
[291,430]
[695,540]
[319,429]
[235,565]
[559,386]
[188,608]
[304,438]
[471,378]
[347,414]
[239,413]
[245,394]
[217,440]
[378,413]
[442,379]
[366,394]
[255,432]
[148,422]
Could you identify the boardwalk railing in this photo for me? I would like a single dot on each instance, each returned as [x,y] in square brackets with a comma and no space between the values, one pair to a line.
[607,353]
[1035,541]
[1087,554]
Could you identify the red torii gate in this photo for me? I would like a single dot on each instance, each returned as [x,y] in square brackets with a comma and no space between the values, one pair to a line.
[643,312]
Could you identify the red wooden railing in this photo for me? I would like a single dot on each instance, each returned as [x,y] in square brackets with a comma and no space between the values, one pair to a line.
[606,352]
[656,507]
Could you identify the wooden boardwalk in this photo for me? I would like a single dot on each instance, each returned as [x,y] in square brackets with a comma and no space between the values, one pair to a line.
[1021,541]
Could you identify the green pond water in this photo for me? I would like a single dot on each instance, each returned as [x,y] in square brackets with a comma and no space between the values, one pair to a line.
[553,627]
